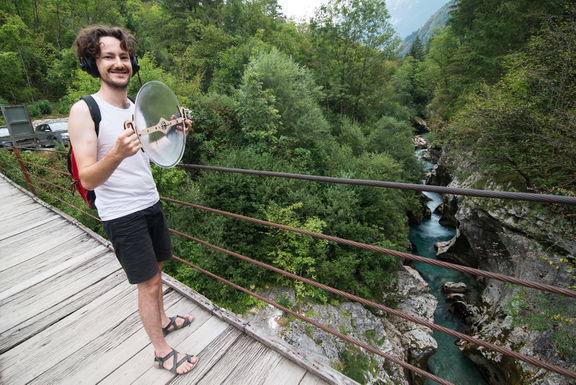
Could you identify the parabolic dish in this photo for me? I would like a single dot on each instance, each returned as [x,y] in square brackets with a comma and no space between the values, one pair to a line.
[155,101]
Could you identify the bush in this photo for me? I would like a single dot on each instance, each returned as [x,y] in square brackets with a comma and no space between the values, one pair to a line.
[41,107]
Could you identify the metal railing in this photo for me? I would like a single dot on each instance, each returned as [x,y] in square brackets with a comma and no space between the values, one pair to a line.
[26,178]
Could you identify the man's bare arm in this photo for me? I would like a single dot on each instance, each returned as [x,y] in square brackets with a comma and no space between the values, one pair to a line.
[83,139]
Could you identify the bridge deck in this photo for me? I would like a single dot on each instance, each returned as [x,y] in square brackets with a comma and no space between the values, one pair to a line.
[68,315]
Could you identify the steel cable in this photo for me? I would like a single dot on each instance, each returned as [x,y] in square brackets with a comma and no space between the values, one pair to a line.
[320,326]
[431,325]
[47,168]
[522,196]
[52,184]
[447,265]
[66,203]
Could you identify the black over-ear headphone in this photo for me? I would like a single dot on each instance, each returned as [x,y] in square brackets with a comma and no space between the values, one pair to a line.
[88,64]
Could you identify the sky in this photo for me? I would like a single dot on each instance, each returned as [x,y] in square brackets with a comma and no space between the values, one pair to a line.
[405,15]
[301,10]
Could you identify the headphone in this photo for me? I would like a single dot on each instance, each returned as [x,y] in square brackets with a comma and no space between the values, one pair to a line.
[88,64]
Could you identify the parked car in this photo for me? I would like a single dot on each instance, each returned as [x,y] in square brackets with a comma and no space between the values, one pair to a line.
[55,131]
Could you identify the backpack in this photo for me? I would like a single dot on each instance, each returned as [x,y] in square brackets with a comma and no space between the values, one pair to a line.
[89,196]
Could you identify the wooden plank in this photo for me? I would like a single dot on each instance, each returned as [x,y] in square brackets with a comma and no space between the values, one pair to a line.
[24,223]
[240,357]
[208,357]
[17,204]
[7,244]
[255,372]
[41,321]
[285,373]
[190,340]
[116,346]
[29,245]
[320,369]
[310,379]
[52,345]
[40,298]
[70,253]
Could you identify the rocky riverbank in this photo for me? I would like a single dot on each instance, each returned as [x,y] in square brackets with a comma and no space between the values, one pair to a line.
[399,338]
[519,239]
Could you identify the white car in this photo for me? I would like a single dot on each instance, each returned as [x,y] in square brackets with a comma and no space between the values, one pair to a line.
[59,131]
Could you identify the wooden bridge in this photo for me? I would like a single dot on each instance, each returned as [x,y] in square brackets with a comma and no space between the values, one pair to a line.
[68,315]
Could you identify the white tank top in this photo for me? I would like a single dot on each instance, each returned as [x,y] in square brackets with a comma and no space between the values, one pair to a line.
[131,186]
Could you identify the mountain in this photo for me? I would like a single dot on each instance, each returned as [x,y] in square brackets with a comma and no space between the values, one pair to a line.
[408,15]
[438,19]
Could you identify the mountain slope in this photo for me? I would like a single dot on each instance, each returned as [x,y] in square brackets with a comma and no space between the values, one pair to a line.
[438,19]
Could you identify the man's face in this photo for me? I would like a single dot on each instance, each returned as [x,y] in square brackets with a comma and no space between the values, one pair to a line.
[113,63]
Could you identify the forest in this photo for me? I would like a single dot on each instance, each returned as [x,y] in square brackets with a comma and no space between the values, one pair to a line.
[331,96]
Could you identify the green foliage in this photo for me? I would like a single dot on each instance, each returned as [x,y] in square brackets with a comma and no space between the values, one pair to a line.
[12,82]
[41,107]
[215,127]
[79,85]
[266,93]
[295,253]
[292,95]
[544,313]
[352,41]
[522,127]
[258,116]
[355,364]
[417,50]
[411,87]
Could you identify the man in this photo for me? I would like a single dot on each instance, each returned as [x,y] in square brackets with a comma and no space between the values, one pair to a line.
[127,201]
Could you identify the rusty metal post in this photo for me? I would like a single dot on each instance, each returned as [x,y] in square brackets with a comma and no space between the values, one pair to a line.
[24,171]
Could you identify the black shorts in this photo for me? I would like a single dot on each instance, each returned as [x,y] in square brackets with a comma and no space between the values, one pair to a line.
[140,240]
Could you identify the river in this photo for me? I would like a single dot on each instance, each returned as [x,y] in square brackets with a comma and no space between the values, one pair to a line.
[448,362]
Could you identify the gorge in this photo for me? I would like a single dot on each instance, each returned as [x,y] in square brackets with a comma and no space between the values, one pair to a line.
[448,362]
[519,239]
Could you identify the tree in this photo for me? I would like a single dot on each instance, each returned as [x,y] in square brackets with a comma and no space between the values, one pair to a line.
[19,40]
[521,129]
[417,50]
[295,97]
[410,86]
[352,40]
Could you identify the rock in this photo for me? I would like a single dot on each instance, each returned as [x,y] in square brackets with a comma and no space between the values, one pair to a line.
[454,287]
[443,247]
[397,337]
[349,318]
[415,300]
[516,239]
[432,154]
[455,297]
[419,141]
[438,176]
[420,125]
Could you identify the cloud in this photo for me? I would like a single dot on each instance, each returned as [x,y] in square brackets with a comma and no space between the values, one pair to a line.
[300,9]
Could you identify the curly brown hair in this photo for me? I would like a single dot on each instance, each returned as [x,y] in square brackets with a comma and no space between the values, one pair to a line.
[87,42]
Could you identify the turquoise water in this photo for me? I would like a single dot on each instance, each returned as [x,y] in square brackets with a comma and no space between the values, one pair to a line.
[448,362]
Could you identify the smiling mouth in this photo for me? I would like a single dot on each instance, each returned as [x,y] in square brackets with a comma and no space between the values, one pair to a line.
[120,71]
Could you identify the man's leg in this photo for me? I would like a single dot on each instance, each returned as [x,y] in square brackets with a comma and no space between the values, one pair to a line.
[164,318]
[149,305]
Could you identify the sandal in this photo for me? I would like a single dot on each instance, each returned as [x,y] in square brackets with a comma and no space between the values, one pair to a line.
[159,361]
[172,324]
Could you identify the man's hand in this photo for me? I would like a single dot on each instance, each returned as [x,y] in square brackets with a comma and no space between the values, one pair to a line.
[127,144]
[188,124]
